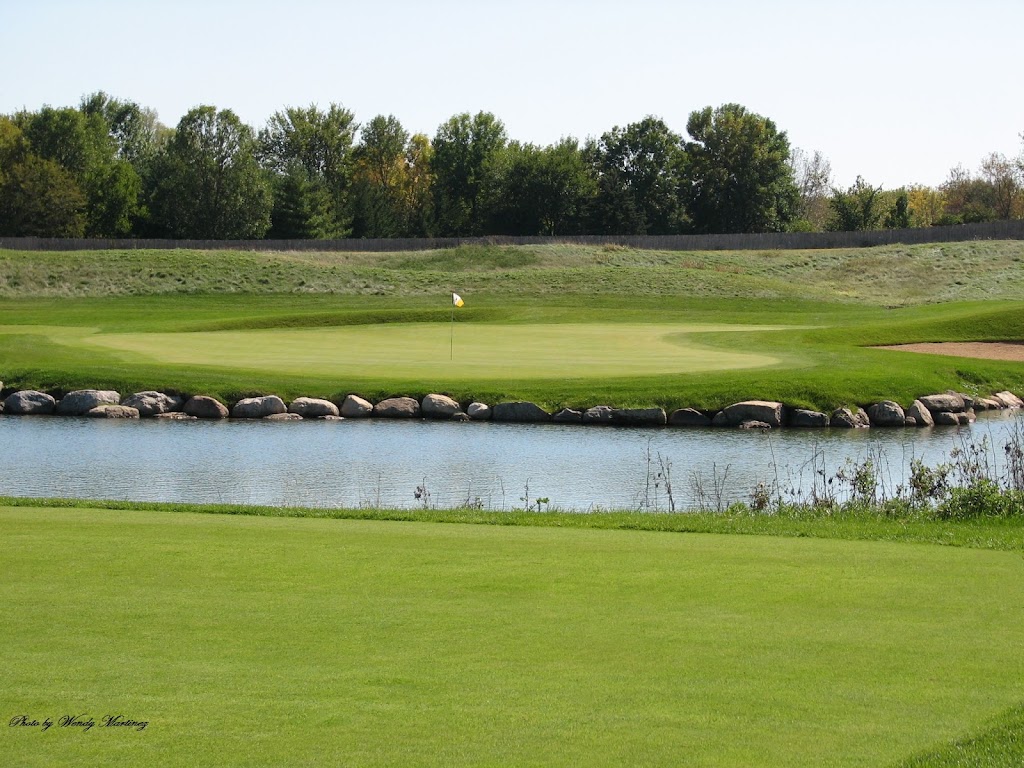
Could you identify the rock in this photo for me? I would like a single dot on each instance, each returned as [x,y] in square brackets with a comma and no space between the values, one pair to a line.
[921,415]
[459,416]
[174,416]
[330,418]
[81,401]
[844,418]
[986,404]
[397,408]
[946,418]
[521,411]
[639,417]
[754,410]
[599,414]
[283,417]
[1008,399]
[113,412]
[808,419]
[909,421]
[204,407]
[968,416]
[568,416]
[753,424]
[151,403]
[258,407]
[948,401]
[688,417]
[479,411]
[312,408]
[29,402]
[887,414]
[356,407]
[439,407]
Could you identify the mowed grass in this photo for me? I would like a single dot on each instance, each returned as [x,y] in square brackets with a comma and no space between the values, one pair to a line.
[433,350]
[273,641]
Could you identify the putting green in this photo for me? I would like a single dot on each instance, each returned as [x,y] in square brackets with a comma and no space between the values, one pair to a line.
[478,351]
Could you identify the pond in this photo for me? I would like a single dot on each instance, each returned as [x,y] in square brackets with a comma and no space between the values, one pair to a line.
[401,463]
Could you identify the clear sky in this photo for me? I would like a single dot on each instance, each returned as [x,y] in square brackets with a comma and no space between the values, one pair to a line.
[898,92]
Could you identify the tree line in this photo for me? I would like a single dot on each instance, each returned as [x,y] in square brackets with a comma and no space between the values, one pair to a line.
[109,168]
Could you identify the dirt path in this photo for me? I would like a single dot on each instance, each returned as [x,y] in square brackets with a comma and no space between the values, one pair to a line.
[988,350]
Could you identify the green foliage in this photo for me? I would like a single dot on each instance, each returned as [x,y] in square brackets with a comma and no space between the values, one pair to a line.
[640,172]
[466,156]
[38,198]
[209,183]
[859,207]
[740,179]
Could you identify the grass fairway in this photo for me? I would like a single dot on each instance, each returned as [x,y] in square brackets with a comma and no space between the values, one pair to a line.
[272,641]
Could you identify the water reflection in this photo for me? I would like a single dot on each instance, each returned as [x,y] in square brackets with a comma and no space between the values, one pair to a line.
[499,466]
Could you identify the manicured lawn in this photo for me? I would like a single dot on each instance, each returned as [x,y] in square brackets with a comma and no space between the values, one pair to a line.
[271,641]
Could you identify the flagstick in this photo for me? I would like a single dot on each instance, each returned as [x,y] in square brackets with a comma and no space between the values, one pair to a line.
[451,343]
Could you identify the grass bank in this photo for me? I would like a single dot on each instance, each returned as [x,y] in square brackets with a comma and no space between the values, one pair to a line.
[379,642]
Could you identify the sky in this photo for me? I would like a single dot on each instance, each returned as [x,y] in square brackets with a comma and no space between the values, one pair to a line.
[898,92]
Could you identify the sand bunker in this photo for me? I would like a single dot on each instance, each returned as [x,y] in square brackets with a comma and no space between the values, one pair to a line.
[987,350]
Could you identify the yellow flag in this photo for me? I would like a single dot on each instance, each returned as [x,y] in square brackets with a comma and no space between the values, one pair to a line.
[457,300]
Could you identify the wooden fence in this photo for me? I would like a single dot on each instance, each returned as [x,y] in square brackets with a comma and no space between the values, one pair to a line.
[992,230]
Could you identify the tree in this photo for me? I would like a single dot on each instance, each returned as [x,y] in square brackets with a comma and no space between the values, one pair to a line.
[639,171]
[926,206]
[857,208]
[39,198]
[82,145]
[321,143]
[898,216]
[211,186]
[739,172]
[1005,178]
[466,153]
[813,177]
[969,199]
[379,173]
[543,191]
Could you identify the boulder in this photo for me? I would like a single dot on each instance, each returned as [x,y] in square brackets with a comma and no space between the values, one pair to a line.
[986,404]
[753,424]
[29,402]
[887,414]
[946,418]
[205,407]
[909,421]
[1008,399]
[174,416]
[844,418]
[805,419]
[568,416]
[356,407]
[459,416]
[81,401]
[947,401]
[753,410]
[921,415]
[688,417]
[312,408]
[258,407]
[113,412]
[521,411]
[968,416]
[283,417]
[479,411]
[599,414]
[151,403]
[439,407]
[639,417]
[330,418]
[397,408]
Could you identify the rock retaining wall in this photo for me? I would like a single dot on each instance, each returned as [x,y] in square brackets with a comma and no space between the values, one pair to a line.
[943,409]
